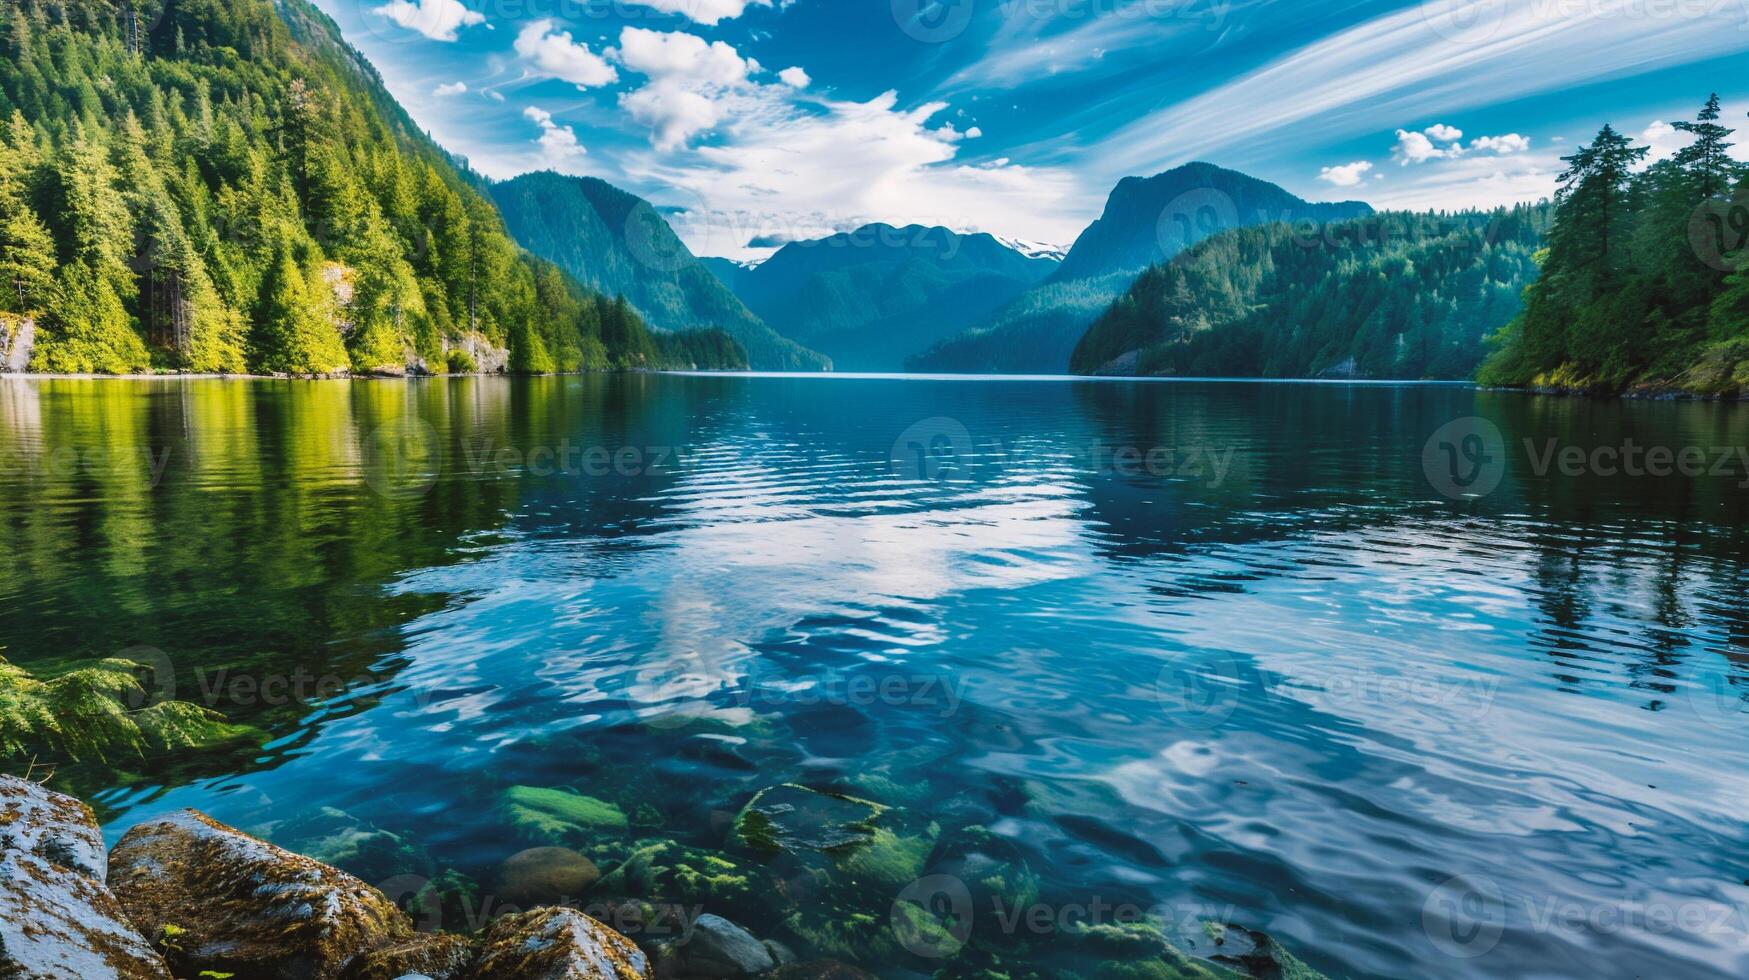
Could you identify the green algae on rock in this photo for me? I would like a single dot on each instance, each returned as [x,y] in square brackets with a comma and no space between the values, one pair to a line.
[796,819]
[547,815]
[671,872]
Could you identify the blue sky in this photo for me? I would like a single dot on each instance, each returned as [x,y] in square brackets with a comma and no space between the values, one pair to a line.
[776,119]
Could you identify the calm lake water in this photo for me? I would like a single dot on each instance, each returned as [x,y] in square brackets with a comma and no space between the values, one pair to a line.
[1418,699]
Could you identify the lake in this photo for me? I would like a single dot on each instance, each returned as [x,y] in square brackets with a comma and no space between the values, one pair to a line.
[1424,681]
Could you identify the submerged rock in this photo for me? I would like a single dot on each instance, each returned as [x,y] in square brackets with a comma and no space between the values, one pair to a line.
[800,820]
[557,944]
[545,876]
[1257,954]
[338,839]
[57,918]
[224,901]
[430,956]
[716,948]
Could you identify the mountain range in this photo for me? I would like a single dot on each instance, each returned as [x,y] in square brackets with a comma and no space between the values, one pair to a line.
[871,297]
[1146,221]
[619,244]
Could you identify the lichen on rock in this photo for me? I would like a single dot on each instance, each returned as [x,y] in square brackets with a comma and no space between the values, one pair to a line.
[57,918]
[238,904]
[557,944]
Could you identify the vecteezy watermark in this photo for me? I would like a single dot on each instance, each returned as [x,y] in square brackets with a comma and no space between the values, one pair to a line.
[402,459]
[1467,916]
[1718,232]
[936,915]
[1465,458]
[1203,693]
[1631,459]
[943,450]
[1352,691]
[938,694]
[435,907]
[1192,216]
[1464,917]
[934,449]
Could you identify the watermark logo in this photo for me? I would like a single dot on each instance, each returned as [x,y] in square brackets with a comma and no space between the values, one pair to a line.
[933,21]
[1465,458]
[933,450]
[1465,21]
[156,676]
[1718,701]
[932,917]
[1193,216]
[1202,694]
[403,458]
[1718,231]
[1464,918]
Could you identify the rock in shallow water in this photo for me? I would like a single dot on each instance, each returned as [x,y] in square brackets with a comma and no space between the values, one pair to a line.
[430,956]
[240,905]
[557,944]
[716,948]
[57,919]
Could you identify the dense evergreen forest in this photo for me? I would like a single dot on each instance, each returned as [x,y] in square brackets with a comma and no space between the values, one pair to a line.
[225,186]
[1394,295]
[1644,283]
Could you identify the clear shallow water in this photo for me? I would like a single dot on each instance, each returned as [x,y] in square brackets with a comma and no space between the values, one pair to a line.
[1262,671]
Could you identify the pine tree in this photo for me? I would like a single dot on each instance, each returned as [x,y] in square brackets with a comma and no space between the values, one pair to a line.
[27,258]
[1705,159]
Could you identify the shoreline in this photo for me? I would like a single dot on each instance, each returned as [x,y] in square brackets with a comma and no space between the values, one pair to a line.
[1644,394]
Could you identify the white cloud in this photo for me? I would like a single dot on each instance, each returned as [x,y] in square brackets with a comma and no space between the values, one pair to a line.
[1414,148]
[1347,175]
[436,19]
[786,169]
[974,133]
[1664,140]
[551,52]
[1501,145]
[692,82]
[795,78]
[450,88]
[679,56]
[1412,62]
[703,11]
[559,148]
[1477,181]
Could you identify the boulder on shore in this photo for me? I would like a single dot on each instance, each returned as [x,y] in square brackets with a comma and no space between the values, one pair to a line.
[217,899]
[57,919]
[557,944]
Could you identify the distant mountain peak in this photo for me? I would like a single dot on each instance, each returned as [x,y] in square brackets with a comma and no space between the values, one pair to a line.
[1035,250]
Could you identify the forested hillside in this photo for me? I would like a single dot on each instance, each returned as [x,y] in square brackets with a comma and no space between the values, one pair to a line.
[220,186]
[1644,283]
[869,298]
[1146,220]
[1394,295]
[617,243]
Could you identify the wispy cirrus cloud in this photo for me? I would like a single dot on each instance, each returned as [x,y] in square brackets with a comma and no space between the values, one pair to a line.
[1440,56]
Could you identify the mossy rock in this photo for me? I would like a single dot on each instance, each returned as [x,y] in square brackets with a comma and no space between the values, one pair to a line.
[669,872]
[544,815]
[798,820]
[1257,954]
